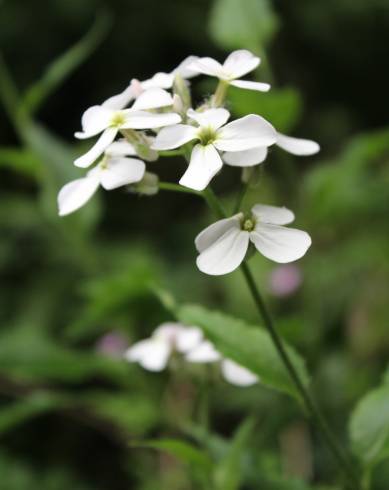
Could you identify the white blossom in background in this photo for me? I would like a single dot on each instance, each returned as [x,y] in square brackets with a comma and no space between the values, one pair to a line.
[214,136]
[113,171]
[154,353]
[236,65]
[108,122]
[254,156]
[232,372]
[224,244]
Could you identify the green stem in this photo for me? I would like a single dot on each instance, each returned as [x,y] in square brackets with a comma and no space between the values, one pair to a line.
[169,186]
[214,203]
[242,193]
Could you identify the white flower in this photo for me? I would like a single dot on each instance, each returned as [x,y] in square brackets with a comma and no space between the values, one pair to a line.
[223,245]
[214,135]
[236,65]
[114,170]
[296,146]
[159,80]
[153,353]
[100,119]
[232,372]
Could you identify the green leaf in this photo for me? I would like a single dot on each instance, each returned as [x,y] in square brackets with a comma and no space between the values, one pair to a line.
[280,106]
[250,346]
[21,161]
[63,66]
[228,473]
[369,427]
[238,24]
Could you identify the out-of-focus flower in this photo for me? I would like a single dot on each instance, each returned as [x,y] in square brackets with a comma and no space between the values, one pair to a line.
[108,122]
[113,344]
[254,156]
[223,245]
[153,353]
[214,135]
[236,65]
[285,279]
[113,171]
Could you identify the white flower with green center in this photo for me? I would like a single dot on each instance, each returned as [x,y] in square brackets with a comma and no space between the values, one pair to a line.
[109,122]
[236,65]
[223,245]
[214,136]
[113,171]
[154,353]
[295,146]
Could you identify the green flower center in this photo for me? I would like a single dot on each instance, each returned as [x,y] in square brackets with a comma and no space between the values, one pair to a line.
[248,224]
[118,119]
[207,135]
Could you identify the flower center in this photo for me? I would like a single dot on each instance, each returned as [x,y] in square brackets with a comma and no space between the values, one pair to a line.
[248,224]
[118,119]
[207,135]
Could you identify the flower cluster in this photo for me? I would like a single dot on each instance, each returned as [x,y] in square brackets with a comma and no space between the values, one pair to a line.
[154,353]
[154,116]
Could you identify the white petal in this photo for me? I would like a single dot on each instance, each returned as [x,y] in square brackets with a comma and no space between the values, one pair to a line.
[205,163]
[245,133]
[214,118]
[258,86]
[246,158]
[297,146]
[174,136]
[120,148]
[188,338]
[205,352]
[279,243]
[148,120]
[97,149]
[75,194]
[226,254]
[273,214]
[236,374]
[122,171]
[120,101]
[152,354]
[153,98]
[240,62]
[214,231]
[183,68]
[208,66]
[159,80]
[94,121]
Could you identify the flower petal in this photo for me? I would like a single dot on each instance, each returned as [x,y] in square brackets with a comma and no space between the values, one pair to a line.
[273,214]
[258,86]
[97,149]
[208,66]
[240,62]
[214,231]
[159,80]
[184,69]
[226,254]
[214,118]
[148,120]
[152,354]
[174,136]
[188,338]
[75,194]
[122,171]
[205,352]
[94,121]
[120,101]
[245,133]
[246,158]
[205,163]
[297,146]
[236,374]
[152,98]
[120,148]
[279,243]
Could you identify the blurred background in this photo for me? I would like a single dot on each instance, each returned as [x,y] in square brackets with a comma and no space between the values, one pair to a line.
[76,291]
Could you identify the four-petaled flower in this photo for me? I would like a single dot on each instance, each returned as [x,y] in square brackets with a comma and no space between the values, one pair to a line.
[214,135]
[236,65]
[109,122]
[113,171]
[224,244]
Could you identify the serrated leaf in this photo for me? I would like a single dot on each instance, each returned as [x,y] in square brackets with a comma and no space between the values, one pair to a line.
[250,346]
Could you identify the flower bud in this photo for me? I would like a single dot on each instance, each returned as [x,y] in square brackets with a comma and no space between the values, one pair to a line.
[148,186]
[181,88]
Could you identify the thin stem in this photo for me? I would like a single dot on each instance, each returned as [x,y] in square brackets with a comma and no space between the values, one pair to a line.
[170,153]
[214,203]
[242,193]
[169,186]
